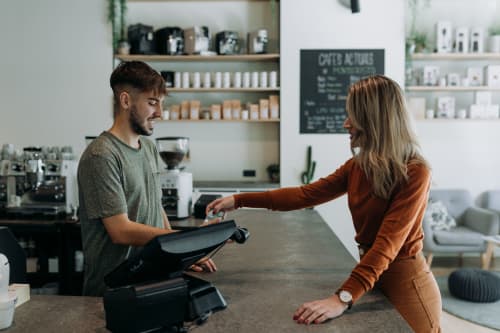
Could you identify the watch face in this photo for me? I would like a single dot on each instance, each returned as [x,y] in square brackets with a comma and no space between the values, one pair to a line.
[345,296]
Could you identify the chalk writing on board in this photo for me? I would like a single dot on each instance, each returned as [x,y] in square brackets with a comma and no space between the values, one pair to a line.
[325,77]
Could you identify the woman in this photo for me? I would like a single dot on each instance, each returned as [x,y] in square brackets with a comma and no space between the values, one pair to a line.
[387,183]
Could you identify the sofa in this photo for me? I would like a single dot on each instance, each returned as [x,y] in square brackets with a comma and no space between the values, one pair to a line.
[472,224]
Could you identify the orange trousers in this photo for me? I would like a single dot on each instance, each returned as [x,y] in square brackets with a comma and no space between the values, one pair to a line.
[411,287]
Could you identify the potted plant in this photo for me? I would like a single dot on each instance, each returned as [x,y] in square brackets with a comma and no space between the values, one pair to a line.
[117,10]
[415,41]
[495,39]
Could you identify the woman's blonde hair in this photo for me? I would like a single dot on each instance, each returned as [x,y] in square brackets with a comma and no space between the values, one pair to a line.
[386,141]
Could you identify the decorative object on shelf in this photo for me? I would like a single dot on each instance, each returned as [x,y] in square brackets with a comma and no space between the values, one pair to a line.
[429,114]
[169,40]
[257,42]
[416,106]
[475,76]
[495,39]
[430,75]
[477,40]
[273,171]
[141,38]
[196,39]
[443,37]
[446,107]
[453,79]
[462,40]
[227,42]
[308,174]
[492,73]
[117,10]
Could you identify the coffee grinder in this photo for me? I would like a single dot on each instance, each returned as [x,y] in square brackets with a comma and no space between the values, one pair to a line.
[176,184]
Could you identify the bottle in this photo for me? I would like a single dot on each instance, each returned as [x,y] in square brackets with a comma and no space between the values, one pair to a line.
[23,245]
[78,261]
[31,248]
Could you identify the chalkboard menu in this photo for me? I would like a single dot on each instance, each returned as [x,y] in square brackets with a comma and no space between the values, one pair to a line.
[325,77]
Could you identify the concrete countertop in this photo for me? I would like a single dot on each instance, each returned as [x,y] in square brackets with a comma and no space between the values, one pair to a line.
[238,186]
[290,258]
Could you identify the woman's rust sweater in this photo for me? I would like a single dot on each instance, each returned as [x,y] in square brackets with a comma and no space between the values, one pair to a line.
[389,228]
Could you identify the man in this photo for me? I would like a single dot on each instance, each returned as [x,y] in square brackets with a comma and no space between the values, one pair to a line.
[119,192]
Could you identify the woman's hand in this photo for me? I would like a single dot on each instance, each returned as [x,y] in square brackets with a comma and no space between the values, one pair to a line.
[225,204]
[316,312]
[204,265]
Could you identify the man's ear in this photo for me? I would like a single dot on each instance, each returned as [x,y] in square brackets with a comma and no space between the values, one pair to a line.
[125,100]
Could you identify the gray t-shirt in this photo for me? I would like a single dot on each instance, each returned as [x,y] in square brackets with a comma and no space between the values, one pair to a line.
[114,178]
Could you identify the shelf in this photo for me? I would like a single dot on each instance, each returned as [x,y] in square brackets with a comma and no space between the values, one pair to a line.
[219,121]
[433,88]
[234,90]
[197,0]
[221,58]
[438,120]
[455,56]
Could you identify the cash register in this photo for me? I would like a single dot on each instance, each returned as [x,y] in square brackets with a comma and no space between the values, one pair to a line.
[151,292]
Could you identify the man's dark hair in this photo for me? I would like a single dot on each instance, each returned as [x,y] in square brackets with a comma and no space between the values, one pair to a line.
[137,75]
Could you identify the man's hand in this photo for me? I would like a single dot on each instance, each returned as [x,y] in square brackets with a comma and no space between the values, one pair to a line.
[316,312]
[204,265]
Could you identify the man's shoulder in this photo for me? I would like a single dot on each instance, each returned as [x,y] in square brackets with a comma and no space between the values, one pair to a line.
[101,146]
[102,149]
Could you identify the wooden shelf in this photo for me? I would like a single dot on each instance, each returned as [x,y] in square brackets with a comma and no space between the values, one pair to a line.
[456,56]
[434,88]
[219,121]
[215,58]
[442,120]
[232,90]
[197,0]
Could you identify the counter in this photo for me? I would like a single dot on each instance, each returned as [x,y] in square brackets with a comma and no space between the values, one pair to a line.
[290,258]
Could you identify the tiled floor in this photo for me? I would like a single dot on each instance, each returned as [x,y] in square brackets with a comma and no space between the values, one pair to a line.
[444,266]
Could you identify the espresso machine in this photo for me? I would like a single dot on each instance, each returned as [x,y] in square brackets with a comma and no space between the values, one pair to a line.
[41,180]
[12,177]
[176,184]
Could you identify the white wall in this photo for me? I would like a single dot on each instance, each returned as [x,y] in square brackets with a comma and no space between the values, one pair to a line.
[329,25]
[218,151]
[462,153]
[55,62]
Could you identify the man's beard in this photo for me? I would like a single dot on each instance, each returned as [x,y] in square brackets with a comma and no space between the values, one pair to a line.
[135,123]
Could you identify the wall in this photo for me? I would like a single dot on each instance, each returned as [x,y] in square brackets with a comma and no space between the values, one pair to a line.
[461,153]
[218,151]
[55,66]
[55,62]
[329,25]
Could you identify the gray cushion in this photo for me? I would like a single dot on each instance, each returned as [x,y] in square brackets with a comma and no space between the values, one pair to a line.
[458,236]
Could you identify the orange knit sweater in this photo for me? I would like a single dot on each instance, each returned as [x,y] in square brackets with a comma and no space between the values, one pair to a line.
[389,228]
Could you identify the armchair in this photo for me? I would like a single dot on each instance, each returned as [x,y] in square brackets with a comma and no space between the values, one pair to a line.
[490,200]
[472,224]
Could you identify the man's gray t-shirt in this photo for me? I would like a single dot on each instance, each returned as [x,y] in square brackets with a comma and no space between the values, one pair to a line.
[114,178]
